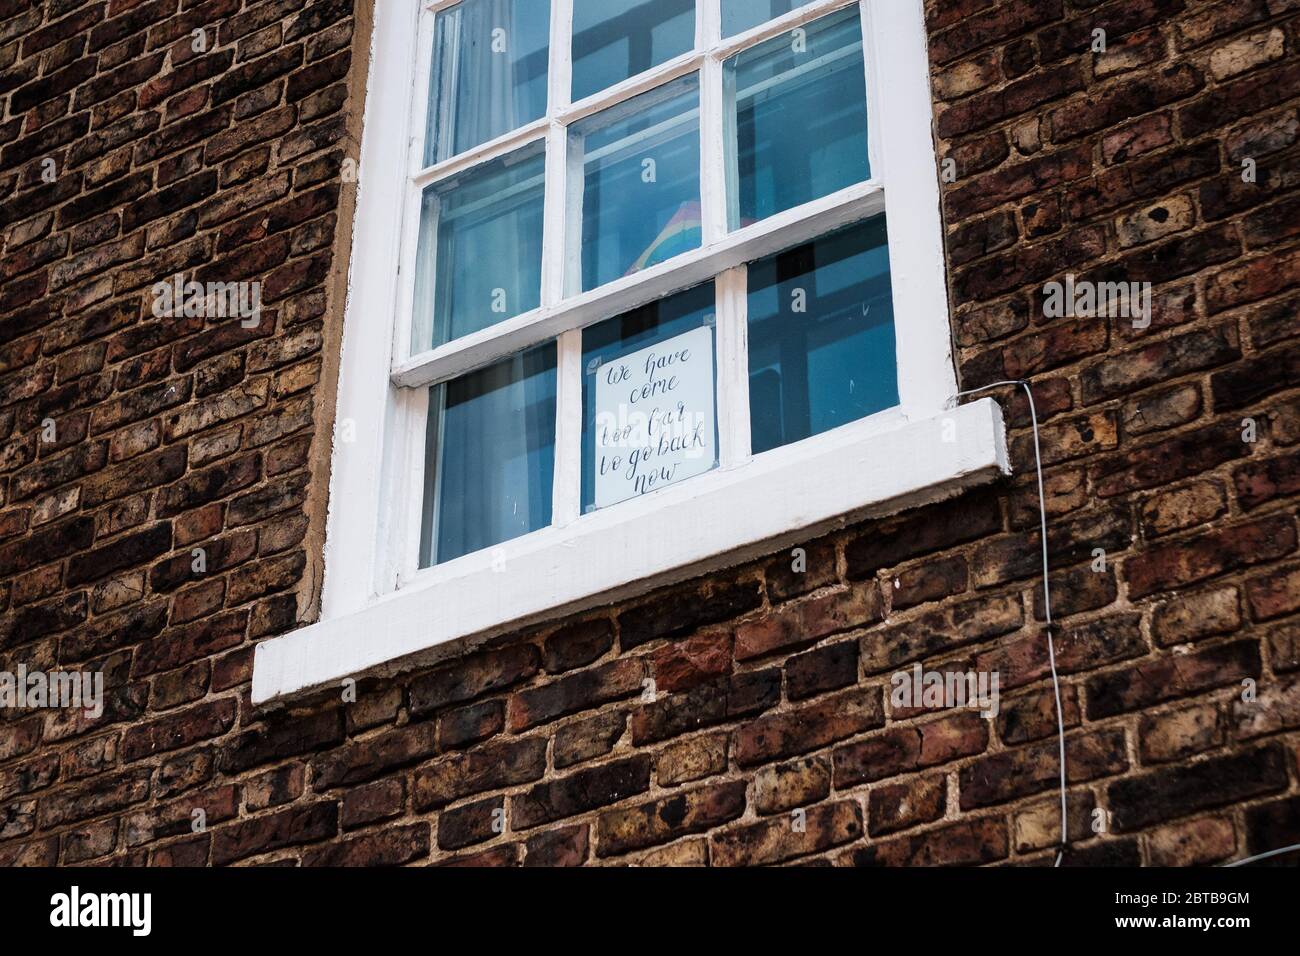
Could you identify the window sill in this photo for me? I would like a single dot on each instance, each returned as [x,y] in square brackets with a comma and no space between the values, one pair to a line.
[879,465]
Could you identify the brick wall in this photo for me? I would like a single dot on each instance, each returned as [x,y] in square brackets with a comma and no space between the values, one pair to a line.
[770,683]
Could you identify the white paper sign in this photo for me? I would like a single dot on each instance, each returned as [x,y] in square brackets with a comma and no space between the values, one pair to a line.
[654,417]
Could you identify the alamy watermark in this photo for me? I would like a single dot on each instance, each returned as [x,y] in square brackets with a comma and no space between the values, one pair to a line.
[1129,300]
[177,298]
[133,911]
[36,689]
[946,689]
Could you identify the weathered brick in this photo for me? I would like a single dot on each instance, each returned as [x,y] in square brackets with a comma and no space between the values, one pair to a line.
[676,612]
[658,821]
[1192,842]
[472,676]
[1276,707]
[826,668]
[484,768]
[691,760]
[1175,791]
[471,823]
[809,727]
[898,806]
[1209,554]
[583,790]
[773,841]
[1196,615]
[999,777]
[563,846]
[299,824]
[368,758]
[792,784]
[1170,677]
[1179,733]
[901,749]
[371,803]
[591,737]
[809,620]
[577,644]
[576,692]
[705,705]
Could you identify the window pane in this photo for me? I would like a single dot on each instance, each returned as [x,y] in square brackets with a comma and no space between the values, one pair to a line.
[821,336]
[800,117]
[637,436]
[480,251]
[616,39]
[640,181]
[489,73]
[489,456]
[741,15]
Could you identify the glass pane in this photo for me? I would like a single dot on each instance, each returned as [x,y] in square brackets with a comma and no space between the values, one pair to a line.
[800,117]
[741,15]
[821,336]
[489,456]
[480,252]
[616,39]
[640,181]
[489,73]
[648,406]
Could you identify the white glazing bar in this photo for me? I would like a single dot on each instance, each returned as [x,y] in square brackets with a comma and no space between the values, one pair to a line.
[566,495]
[553,216]
[653,78]
[713,177]
[773,234]
[733,367]
[874,80]
[560,88]
[555,194]
[482,153]
[708,23]
[402,516]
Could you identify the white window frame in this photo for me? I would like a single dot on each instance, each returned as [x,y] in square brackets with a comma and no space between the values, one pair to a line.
[378,608]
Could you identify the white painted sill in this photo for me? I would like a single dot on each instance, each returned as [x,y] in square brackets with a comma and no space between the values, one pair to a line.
[879,465]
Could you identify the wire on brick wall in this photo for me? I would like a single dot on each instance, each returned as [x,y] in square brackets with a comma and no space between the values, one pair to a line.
[1047,595]
[1047,614]
[1264,856]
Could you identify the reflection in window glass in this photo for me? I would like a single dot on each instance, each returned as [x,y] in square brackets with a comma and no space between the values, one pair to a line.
[741,15]
[490,456]
[489,73]
[800,117]
[640,181]
[480,251]
[602,345]
[821,336]
[616,39]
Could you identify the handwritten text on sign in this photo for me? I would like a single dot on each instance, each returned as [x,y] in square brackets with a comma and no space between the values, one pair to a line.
[654,417]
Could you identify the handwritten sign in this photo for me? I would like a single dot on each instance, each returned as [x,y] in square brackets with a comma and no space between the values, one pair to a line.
[654,417]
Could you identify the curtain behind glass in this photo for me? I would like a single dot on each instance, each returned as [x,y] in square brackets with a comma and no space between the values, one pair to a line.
[490,456]
[479,259]
[478,93]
